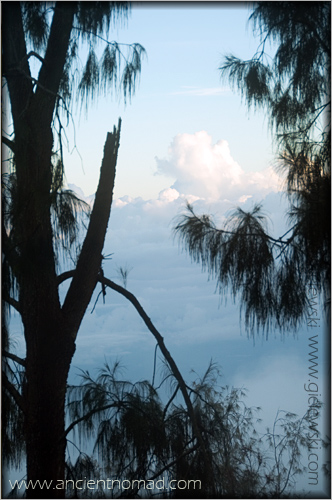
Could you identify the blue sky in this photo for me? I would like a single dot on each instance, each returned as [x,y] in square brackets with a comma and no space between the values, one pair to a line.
[185,136]
[180,91]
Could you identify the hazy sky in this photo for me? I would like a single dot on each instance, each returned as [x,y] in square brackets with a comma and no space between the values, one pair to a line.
[180,92]
[185,136]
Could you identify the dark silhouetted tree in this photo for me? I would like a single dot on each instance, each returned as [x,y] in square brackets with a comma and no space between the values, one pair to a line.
[41,220]
[139,440]
[39,216]
[293,87]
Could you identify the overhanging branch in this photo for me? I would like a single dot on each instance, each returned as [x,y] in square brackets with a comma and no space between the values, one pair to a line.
[89,414]
[160,340]
[204,221]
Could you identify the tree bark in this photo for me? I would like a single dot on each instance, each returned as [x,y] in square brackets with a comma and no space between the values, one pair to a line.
[48,363]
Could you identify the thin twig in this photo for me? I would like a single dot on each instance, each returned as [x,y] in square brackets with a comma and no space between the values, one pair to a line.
[17,397]
[12,356]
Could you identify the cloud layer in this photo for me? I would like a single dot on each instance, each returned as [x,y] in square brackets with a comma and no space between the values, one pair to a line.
[179,298]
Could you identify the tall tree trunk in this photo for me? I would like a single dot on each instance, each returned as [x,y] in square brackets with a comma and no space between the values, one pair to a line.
[50,331]
[48,361]
[49,347]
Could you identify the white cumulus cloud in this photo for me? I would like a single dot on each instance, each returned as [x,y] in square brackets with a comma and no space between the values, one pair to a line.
[209,171]
[168,195]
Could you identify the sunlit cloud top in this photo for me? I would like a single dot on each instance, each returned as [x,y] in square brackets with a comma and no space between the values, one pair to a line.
[209,171]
